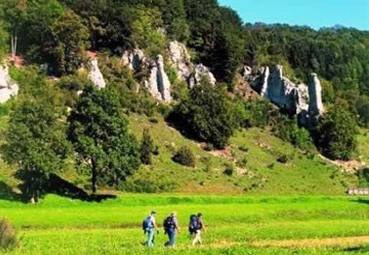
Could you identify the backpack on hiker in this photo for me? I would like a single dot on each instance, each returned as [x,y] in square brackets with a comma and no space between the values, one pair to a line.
[147,224]
[194,225]
[168,223]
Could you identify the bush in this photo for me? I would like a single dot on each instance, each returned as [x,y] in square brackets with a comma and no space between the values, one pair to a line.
[229,170]
[184,156]
[8,237]
[147,147]
[363,175]
[287,129]
[336,134]
[206,115]
[260,113]
[283,158]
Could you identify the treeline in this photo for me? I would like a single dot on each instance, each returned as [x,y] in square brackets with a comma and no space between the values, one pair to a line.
[57,32]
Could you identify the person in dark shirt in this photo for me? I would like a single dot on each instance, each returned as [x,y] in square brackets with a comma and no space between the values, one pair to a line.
[171,228]
[196,233]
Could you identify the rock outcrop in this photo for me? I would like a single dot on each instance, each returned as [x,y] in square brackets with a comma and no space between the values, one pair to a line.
[301,100]
[158,83]
[316,107]
[181,60]
[202,71]
[95,74]
[134,59]
[8,88]
[187,71]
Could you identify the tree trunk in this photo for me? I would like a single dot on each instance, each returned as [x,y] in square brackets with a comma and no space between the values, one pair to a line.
[14,44]
[94,178]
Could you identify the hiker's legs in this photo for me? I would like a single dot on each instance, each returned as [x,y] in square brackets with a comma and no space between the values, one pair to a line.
[150,238]
[172,237]
[197,238]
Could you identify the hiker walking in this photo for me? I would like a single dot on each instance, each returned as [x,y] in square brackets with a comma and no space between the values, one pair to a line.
[171,227]
[195,228]
[149,227]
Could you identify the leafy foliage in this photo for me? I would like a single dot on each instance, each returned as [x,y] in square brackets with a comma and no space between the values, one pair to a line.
[287,129]
[205,115]
[184,156]
[336,134]
[36,144]
[147,148]
[99,133]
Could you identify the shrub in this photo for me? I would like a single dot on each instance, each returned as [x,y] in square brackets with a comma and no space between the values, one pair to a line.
[336,134]
[147,147]
[8,237]
[229,170]
[206,115]
[259,113]
[184,156]
[283,158]
[287,129]
[243,148]
[363,175]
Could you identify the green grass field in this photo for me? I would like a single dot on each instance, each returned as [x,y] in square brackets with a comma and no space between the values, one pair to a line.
[236,224]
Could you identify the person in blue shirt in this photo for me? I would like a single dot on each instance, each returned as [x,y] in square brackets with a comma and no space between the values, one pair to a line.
[150,228]
[171,228]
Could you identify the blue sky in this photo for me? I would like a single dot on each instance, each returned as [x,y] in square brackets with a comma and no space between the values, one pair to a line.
[314,13]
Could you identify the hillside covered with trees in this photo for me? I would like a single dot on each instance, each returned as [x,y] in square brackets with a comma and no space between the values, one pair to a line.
[120,136]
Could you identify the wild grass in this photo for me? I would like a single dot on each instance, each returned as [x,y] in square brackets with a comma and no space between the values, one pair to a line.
[236,224]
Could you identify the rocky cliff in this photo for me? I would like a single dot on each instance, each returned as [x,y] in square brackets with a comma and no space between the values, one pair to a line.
[8,88]
[158,82]
[187,71]
[301,100]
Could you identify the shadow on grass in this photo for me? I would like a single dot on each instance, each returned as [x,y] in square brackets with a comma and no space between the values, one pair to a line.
[7,193]
[358,249]
[56,185]
[362,201]
[61,187]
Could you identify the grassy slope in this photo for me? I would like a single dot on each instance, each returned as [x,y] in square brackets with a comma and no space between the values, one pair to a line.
[257,170]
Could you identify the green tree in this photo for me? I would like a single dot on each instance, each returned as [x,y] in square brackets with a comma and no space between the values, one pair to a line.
[4,37]
[35,143]
[71,40]
[99,132]
[147,147]
[146,32]
[205,115]
[336,134]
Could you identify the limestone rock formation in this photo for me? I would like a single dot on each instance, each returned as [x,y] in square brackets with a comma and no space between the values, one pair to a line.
[304,101]
[158,83]
[95,74]
[134,59]
[202,71]
[187,71]
[281,91]
[181,60]
[8,88]
[315,93]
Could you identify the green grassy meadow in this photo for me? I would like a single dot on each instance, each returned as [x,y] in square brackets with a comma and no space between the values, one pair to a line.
[236,224]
